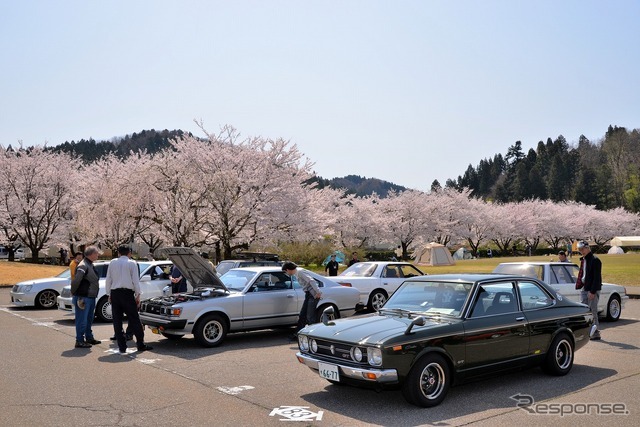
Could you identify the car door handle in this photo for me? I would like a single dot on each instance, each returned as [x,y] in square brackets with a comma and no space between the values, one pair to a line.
[290,296]
[520,319]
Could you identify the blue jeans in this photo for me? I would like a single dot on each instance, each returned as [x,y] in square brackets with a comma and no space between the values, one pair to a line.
[308,311]
[84,318]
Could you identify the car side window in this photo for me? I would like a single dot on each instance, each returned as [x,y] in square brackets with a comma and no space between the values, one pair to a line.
[533,297]
[409,271]
[493,299]
[272,282]
[559,274]
[391,272]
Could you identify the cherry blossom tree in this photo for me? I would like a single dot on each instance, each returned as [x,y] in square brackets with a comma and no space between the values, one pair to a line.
[473,226]
[37,189]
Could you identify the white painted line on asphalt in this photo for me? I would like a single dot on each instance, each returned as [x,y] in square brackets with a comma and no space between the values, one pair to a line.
[235,390]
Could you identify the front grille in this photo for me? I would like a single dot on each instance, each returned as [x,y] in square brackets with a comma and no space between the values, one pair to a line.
[66,292]
[340,351]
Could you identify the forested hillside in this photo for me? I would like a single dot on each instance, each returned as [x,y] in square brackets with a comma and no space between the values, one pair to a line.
[605,174]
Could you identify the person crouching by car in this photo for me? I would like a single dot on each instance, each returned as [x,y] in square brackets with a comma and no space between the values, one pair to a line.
[311,294]
[84,288]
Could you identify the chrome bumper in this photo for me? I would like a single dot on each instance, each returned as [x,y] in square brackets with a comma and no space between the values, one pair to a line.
[381,376]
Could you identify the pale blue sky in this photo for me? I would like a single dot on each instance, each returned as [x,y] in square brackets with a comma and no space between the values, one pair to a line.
[406,91]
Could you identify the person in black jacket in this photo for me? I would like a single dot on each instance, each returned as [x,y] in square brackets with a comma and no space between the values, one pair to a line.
[84,288]
[332,266]
[590,283]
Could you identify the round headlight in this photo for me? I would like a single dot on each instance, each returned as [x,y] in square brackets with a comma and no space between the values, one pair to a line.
[314,346]
[356,354]
[303,342]
[374,356]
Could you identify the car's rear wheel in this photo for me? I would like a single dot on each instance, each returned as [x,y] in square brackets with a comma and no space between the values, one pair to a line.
[614,308]
[210,330]
[428,381]
[559,358]
[103,310]
[377,300]
[46,299]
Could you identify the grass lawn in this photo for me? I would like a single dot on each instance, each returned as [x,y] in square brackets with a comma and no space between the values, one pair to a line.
[623,269]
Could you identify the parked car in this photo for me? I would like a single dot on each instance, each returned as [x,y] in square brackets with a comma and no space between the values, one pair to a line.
[228,264]
[43,293]
[562,277]
[242,299]
[154,276]
[17,254]
[436,331]
[377,280]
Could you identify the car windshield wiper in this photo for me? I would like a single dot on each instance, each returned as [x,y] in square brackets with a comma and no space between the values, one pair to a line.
[398,311]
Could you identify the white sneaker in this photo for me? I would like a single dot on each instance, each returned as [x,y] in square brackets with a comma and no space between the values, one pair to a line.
[594,329]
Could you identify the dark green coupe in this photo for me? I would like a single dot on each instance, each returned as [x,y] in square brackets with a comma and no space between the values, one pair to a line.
[436,331]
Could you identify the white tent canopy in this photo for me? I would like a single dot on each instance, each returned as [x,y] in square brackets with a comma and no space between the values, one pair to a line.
[433,254]
[625,241]
[615,250]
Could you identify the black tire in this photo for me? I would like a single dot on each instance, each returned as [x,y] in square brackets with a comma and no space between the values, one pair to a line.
[319,310]
[428,381]
[614,308]
[210,330]
[103,310]
[377,299]
[47,299]
[559,359]
[171,337]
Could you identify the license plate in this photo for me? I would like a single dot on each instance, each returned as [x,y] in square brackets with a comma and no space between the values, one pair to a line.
[155,331]
[329,372]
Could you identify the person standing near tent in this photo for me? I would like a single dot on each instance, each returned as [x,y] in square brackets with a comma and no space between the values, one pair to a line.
[332,266]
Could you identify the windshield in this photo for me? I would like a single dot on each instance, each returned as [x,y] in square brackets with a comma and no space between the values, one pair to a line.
[430,297]
[224,266]
[237,279]
[529,270]
[65,274]
[360,269]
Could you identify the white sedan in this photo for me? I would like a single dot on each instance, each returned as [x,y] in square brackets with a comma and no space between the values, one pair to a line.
[154,276]
[377,280]
[42,293]
[562,277]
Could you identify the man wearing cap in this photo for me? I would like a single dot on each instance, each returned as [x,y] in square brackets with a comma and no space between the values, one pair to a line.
[562,256]
[590,283]
[311,294]
[123,287]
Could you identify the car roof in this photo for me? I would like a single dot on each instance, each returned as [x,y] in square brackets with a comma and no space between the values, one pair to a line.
[466,277]
[537,263]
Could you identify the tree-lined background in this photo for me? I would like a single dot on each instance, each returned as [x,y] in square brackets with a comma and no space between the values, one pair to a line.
[226,192]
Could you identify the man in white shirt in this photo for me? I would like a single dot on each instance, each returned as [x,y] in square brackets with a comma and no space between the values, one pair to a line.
[123,287]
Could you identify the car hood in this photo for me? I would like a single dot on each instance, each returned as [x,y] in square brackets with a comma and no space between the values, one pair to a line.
[370,329]
[194,268]
[45,281]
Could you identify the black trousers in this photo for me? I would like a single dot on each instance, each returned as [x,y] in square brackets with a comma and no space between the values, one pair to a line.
[123,302]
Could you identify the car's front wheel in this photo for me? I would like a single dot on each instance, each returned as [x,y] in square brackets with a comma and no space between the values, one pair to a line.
[103,310]
[559,358]
[428,381]
[46,299]
[377,300]
[210,330]
[614,308]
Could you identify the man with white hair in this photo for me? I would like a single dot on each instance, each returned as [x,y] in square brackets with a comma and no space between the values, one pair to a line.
[590,283]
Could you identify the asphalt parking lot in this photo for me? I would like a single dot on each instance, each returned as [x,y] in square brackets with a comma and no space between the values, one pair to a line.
[254,379]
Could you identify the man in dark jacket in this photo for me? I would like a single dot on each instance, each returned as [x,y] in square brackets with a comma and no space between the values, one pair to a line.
[332,266]
[84,288]
[590,283]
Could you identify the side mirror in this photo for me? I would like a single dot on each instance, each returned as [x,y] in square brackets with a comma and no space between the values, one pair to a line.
[417,321]
[327,315]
